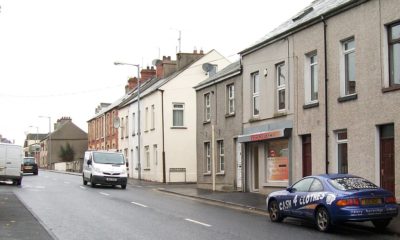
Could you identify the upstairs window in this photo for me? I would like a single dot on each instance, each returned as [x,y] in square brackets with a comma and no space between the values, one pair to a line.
[255,86]
[178,114]
[281,86]
[349,67]
[207,157]
[207,107]
[311,78]
[153,124]
[230,95]
[394,54]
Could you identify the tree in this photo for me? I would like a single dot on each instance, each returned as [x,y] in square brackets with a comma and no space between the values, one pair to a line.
[67,154]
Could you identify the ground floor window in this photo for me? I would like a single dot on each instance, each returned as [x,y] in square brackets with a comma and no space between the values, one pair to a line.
[277,161]
[341,141]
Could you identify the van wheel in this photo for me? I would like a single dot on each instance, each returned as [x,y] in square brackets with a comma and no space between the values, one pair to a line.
[18,182]
[84,181]
[92,184]
[123,186]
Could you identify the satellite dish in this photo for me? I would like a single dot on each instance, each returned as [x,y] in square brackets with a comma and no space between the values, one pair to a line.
[207,67]
[116,122]
[156,62]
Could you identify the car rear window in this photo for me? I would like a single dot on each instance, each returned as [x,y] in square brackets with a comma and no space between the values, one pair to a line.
[351,183]
[29,160]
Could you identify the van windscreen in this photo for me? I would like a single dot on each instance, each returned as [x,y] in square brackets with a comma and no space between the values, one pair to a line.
[108,158]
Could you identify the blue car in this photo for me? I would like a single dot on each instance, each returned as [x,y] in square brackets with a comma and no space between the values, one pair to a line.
[333,198]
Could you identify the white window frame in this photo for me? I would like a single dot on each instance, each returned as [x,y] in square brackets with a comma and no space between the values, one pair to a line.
[207,157]
[153,118]
[280,85]
[392,68]
[181,109]
[146,119]
[221,156]
[155,154]
[344,67]
[338,142]
[126,126]
[147,156]
[255,89]
[122,127]
[230,93]
[310,70]
[133,124]
[207,107]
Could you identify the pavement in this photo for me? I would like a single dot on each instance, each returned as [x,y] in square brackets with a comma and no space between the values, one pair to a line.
[18,222]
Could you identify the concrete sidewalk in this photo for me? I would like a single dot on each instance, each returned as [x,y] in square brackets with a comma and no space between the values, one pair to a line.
[16,221]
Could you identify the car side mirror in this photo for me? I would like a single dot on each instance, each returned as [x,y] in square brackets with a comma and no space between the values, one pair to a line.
[89,162]
[290,189]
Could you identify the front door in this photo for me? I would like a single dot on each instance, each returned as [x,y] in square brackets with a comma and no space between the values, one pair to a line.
[306,155]
[387,157]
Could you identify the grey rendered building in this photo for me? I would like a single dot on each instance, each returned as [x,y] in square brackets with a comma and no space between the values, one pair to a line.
[219,123]
[321,94]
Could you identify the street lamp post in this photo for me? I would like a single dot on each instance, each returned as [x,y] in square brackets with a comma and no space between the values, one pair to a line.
[138,103]
[49,147]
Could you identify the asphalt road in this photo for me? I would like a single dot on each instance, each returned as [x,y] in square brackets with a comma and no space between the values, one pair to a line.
[70,210]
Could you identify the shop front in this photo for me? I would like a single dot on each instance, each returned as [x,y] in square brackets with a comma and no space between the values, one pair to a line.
[267,161]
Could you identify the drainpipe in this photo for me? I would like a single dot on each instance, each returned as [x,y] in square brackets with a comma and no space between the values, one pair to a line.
[326,98]
[163,139]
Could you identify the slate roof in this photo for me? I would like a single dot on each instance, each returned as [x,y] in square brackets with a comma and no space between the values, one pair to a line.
[308,15]
[228,70]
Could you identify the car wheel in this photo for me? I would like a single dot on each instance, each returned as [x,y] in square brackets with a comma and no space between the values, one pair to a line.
[381,224]
[274,213]
[92,184]
[123,186]
[322,220]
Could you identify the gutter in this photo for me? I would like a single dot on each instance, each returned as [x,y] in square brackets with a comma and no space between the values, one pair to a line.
[163,138]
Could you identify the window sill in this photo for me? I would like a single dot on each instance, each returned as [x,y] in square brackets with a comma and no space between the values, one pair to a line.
[133,134]
[207,174]
[146,131]
[152,129]
[280,114]
[228,115]
[310,105]
[276,184]
[220,174]
[391,88]
[347,98]
[254,119]
[146,169]
[206,122]
[179,127]
[126,136]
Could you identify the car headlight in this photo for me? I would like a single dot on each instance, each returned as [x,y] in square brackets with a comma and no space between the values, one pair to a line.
[124,171]
[97,170]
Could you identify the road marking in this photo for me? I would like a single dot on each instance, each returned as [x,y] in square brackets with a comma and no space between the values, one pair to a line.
[82,187]
[197,222]
[105,194]
[139,204]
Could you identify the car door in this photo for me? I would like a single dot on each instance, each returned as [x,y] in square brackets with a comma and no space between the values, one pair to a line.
[86,167]
[298,196]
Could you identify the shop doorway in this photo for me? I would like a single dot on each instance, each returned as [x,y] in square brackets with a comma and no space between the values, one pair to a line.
[387,157]
[254,167]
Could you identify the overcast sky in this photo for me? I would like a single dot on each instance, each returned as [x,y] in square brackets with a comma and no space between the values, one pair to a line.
[56,57]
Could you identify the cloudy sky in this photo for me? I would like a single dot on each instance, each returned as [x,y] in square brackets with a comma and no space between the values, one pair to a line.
[56,56]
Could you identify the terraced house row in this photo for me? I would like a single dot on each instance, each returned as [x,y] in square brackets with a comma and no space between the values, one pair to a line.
[319,94]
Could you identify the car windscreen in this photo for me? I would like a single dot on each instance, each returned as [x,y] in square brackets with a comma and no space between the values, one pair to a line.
[29,160]
[108,158]
[351,183]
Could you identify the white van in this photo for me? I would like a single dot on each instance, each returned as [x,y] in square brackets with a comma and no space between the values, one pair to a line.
[104,167]
[11,163]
